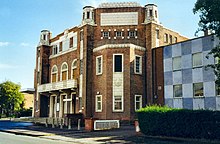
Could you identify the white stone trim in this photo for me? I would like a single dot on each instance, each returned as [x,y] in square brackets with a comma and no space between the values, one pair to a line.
[119,5]
[119,46]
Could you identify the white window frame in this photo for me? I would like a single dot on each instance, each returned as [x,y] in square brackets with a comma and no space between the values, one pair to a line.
[132,34]
[97,65]
[105,34]
[193,59]
[140,65]
[122,103]
[96,103]
[55,48]
[174,91]
[138,101]
[75,41]
[61,74]
[175,68]
[122,69]
[73,67]
[118,34]
[54,73]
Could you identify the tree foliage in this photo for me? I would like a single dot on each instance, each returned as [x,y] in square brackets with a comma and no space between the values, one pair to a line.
[209,13]
[10,98]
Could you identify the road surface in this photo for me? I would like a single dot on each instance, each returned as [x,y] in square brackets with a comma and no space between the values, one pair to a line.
[6,138]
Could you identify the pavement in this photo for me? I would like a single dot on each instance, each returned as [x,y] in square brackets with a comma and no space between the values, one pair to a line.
[125,134]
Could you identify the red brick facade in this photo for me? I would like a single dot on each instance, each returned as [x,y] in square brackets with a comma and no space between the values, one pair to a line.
[133,41]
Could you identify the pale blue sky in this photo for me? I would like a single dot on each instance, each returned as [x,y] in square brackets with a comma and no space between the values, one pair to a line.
[22,20]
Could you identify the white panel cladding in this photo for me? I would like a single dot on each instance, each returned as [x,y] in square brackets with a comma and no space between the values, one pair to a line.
[178,103]
[209,89]
[168,63]
[122,18]
[198,103]
[118,84]
[187,90]
[168,91]
[119,4]
[218,103]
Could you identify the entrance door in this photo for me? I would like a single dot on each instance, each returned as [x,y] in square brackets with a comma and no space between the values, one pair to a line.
[67,103]
[44,106]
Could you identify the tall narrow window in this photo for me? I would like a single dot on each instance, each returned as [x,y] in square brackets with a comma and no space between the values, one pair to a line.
[197,59]
[118,103]
[118,63]
[55,50]
[171,39]
[151,13]
[157,34]
[176,63]
[64,72]
[177,91]
[155,13]
[71,42]
[138,65]
[75,41]
[98,106]
[88,15]
[198,89]
[138,102]
[74,66]
[217,90]
[175,39]
[166,38]
[98,65]
[54,74]
[61,46]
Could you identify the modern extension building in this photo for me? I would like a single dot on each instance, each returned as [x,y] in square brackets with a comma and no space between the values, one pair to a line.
[188,82]
[103,67]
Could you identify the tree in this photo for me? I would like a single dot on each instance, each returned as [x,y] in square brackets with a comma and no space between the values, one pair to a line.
[209,11]
[10,97]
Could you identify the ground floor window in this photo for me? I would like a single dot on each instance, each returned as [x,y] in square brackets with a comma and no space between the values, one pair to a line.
[138,102]
[98,106]
[177,91]
[118,103]
[198,89]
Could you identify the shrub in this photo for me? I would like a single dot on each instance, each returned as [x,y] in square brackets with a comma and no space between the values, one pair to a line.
[165,121]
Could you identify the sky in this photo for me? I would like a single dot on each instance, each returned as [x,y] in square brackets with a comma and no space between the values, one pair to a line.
[22,20]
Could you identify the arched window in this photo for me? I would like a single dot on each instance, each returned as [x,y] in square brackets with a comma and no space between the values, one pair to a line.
[64,72]
[54,74]
[74,66]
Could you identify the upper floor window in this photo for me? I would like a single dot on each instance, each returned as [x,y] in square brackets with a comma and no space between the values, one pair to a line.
[138,65]
[151,13]
[54,74]
[157,34]
[98,65]
[64,72]
[105,34]
[155,13]
[197,59]
[132,33]
[171,39]
[71,42]
[61,46]
[88,15]
[166,38]
[118,61]
[55,50]
[176,63]
[175,39]
[217,90]
[118,34]
[74,72]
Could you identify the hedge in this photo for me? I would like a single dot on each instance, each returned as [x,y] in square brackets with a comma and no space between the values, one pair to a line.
[165,121]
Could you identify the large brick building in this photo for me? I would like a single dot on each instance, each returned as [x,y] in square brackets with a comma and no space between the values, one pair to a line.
[103,67]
